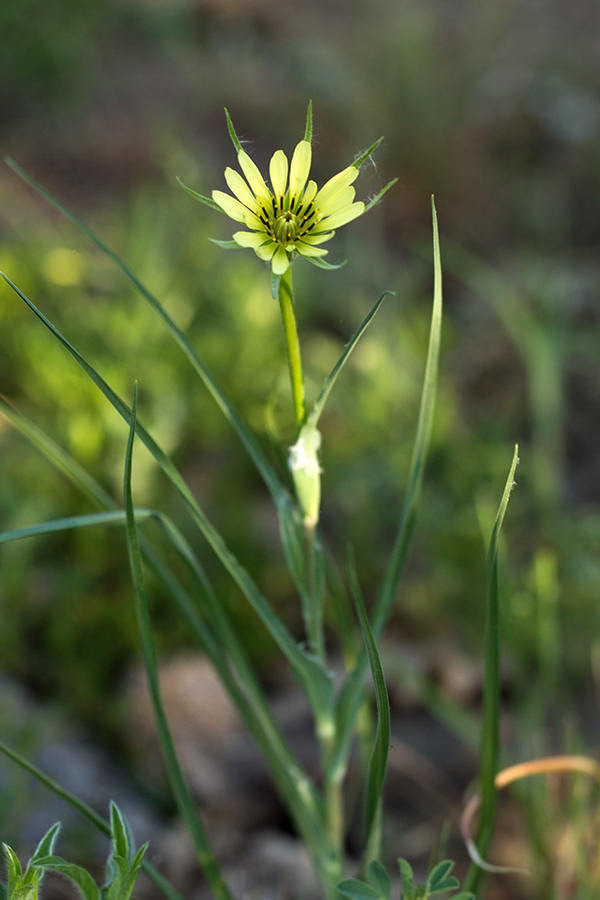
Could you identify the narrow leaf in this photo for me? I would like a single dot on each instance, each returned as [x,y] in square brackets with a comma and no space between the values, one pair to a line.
[226,245]
[78,875]
[381,745]
[296,789]
[186,804]
[208,201]
[367,153]
[105,518]
[490,731]
[15,872]
[320,263]
[399,555]
[317,682]
[232,134]
[122,838]
[351,694]
[63,461]
[321,400]
[378,196]
[308,131]
[46,845]
[266,471]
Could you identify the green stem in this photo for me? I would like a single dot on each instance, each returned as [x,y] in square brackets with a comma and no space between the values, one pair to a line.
[313,606]
[292,345]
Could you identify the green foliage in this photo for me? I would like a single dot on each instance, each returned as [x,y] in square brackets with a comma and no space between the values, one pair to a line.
[317,814]
[379,885]
[123,866]
[438,881]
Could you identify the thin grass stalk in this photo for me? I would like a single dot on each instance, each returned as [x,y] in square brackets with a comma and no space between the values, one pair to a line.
[395,568]
[309,672]
[352,693]
[381,744]
[223,648]
[264,468]
[179,787]
[490,730]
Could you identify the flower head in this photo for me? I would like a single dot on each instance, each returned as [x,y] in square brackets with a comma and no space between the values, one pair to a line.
[293,215]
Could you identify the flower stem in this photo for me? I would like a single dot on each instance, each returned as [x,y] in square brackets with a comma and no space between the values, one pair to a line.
[292,345]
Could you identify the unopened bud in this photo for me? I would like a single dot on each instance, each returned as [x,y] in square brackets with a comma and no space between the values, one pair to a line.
[306,471]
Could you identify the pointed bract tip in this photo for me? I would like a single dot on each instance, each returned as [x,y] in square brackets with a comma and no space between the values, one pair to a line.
[232,134]
[308,131]
[367,153]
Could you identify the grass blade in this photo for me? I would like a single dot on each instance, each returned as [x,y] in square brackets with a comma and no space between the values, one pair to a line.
[350,697]
[267,472]
[491,693]
[105,518]
[321,400]
[287,511]
[183,798]
[59,458]
[381,745]
[312,675]
[399,555]
[218,640]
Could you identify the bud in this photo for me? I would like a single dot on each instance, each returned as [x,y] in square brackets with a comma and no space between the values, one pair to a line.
[306,471]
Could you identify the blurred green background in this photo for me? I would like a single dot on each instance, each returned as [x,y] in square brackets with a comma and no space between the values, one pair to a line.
[495,109]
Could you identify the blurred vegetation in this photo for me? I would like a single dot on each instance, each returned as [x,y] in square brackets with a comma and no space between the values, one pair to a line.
[495,109]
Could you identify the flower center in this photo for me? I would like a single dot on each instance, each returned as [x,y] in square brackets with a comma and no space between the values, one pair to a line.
[286,227]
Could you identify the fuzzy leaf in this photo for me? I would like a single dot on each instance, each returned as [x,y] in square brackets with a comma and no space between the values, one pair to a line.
[379,195]
[380,879]
[308,131]
[226,245]
[366,154]
[321,264]
[77,874]
[46,845]
[208,201]
[358,890]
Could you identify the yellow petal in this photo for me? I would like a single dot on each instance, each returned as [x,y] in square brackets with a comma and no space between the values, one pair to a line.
[280,262]
[238,186]
[278,171]
[249,239]
[341,180]
[252,173]
[317,238]
[337,201]
[266,251]
[343,216]
[231,206]
[308,250]
[300,168]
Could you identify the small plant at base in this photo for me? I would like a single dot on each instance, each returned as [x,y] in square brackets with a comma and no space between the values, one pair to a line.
[379,886]
[122,868]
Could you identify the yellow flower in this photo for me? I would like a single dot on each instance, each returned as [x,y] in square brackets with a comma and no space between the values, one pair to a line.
[292,216]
